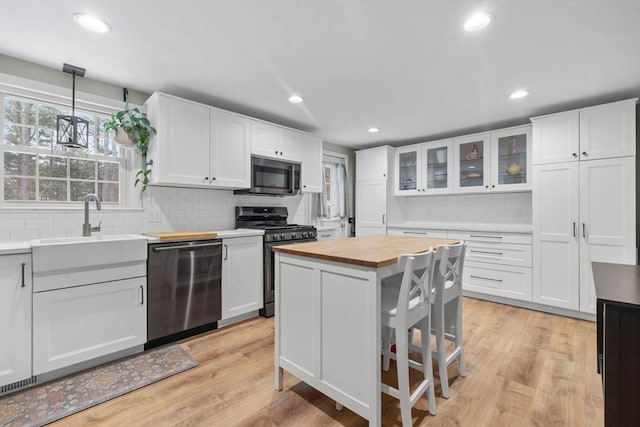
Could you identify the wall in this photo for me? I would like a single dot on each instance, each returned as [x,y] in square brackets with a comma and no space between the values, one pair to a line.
[511,208]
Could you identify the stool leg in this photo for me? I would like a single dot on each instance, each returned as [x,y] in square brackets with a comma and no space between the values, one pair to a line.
[441,350]
[425,338]
[402,363]
[386,347]
[462,367]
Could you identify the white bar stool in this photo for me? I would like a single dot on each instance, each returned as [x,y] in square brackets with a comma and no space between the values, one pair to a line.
[402,309]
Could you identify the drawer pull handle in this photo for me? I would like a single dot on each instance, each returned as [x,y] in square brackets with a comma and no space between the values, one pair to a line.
[141,295]
[415,232]
[325,235]
[574,229]
[486,237]
[486,278]
[486,252]
[23,283]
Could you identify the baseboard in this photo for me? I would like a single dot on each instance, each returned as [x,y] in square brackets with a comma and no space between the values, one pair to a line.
[230,321]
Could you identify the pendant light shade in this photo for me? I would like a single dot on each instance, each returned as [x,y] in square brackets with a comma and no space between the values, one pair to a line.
[72,131]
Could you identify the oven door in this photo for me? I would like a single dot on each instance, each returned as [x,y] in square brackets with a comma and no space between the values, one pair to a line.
[269,274]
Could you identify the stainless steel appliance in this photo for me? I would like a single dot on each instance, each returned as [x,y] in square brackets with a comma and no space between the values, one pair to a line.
[184,282]
[273,220]
[273,177]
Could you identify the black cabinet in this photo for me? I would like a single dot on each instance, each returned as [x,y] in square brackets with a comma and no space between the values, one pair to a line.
[618,335]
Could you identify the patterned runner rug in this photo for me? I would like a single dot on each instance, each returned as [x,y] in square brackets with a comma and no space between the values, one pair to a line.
[57,399]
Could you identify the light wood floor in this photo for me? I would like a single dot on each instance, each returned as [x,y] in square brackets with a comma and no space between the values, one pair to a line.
[525,368]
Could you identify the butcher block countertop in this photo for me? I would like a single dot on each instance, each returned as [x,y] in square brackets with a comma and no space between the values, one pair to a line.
[368,251]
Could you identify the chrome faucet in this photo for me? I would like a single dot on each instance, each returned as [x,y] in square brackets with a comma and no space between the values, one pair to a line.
[86,227]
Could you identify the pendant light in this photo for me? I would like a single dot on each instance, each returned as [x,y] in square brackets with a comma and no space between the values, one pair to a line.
[72,131]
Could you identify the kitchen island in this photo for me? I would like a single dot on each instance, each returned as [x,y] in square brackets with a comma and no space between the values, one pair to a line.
[327,326]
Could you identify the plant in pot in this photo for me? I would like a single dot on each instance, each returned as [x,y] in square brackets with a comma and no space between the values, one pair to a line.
[133,129]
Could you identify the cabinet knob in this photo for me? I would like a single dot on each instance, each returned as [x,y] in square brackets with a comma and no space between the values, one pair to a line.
[206,178]
[486,186]
[575,154]
[276,152]
[304,186]
[281,153]
[492,185]
[213,179]
[584,153]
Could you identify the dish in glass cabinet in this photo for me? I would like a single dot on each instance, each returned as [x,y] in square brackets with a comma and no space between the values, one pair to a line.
[472,175]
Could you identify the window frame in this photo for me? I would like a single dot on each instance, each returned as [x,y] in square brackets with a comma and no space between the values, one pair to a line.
[44,93]
[340,158]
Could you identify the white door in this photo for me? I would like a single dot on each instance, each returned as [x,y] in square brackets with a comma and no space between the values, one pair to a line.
[289,144]
[264,139]
[437,170]
[77,324]
[556,235]
[408,166]
[511,159]
[183,136]
[472,156]
[242,285]
[371,207]
[15,318]
[555,138]
[608,130]
[230,150]
[607,219]
[372,164]
[311,174]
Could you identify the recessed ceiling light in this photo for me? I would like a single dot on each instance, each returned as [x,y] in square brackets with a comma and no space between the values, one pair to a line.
[373,130]
[519,94]
[477,21]
[92,23]
[295,99]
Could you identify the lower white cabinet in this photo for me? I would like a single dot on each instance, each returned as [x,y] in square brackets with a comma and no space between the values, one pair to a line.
[15,318]
[410,232]
[499,280]
[77,324]
[242,279]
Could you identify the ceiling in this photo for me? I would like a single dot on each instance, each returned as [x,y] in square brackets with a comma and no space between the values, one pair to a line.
[407,67]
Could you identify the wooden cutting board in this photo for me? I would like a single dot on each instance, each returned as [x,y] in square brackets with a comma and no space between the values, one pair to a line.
[183,235]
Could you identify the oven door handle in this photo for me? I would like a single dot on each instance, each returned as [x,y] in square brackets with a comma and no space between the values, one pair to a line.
[172,248]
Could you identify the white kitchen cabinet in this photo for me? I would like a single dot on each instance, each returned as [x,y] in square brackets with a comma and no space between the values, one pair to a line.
[180,149]
[197,145]
[556,220]
[408,166]
[511,159]
[328,234]
[81,323]
[582,212]
[472,163]
[437,172]
[417,232]
[242,280]
[230,150]
[602,131]
[372,190]
[15,318]
[607,219]
[272,141]
[311,164]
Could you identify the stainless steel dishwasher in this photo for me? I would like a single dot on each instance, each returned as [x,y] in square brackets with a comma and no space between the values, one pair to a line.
[184,293]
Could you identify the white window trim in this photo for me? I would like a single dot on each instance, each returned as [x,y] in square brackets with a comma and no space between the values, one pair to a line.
[130,195]
[345,160]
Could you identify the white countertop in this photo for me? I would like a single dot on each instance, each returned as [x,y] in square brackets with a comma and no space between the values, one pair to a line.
[240,232]
[10,248]
[467,226]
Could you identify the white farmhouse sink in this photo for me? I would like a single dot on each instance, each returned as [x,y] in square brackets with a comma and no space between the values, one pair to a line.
[76,261]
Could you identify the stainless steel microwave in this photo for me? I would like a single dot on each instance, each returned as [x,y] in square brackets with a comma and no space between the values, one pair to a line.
[273,177]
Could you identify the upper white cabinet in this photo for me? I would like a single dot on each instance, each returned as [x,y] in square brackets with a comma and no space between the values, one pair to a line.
[15,318]
[472,163]
[408,165]
[230,158]
[268,140]
[372,163]
[437,161]
[197,145]
[242,285]
[511,159]
[311,164]
[599,132]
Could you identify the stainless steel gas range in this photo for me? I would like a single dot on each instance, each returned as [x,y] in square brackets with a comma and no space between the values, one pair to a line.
[273,220]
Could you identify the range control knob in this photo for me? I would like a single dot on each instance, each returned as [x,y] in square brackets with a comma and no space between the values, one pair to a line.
[282,236]
[293,235]
[304,234]
[275,237]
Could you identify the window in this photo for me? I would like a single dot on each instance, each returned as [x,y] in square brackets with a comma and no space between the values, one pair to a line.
[36,169]
[333,203]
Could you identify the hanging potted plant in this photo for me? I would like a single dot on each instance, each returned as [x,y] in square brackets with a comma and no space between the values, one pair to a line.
[133,129]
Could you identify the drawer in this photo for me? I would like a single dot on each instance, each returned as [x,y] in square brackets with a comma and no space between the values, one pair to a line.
[488,237]
[498,280]
[501,253]
[327,234]
[416,232]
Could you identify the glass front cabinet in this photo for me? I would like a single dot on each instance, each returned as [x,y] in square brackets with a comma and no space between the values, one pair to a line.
[511,159]
[438,167]
[407,164]
[472,162]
